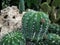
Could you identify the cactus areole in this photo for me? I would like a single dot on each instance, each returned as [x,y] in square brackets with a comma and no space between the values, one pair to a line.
[35,24]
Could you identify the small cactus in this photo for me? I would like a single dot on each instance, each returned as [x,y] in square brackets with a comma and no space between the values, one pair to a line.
[54,28]
[52,39]
[13,38]
[35,24]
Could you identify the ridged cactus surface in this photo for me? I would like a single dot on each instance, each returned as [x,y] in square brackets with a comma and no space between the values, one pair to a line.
[35,24]
[52,39]
[13,38]
[54,28]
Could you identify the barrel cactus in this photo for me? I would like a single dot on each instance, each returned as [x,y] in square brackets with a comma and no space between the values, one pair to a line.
[52,39]
[35,24]
[13,38]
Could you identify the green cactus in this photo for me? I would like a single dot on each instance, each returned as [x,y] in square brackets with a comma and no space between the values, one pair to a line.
[21,6]
[54,28]
[35,24]
[52,39]
[13,38]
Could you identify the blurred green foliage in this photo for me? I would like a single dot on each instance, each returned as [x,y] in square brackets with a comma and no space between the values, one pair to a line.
[51,7]
[56,3]
[5,3]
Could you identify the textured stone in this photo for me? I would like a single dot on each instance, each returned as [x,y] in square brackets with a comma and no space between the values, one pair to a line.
[10,19]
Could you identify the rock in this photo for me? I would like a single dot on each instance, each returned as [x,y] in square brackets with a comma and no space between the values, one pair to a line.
[10,19]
